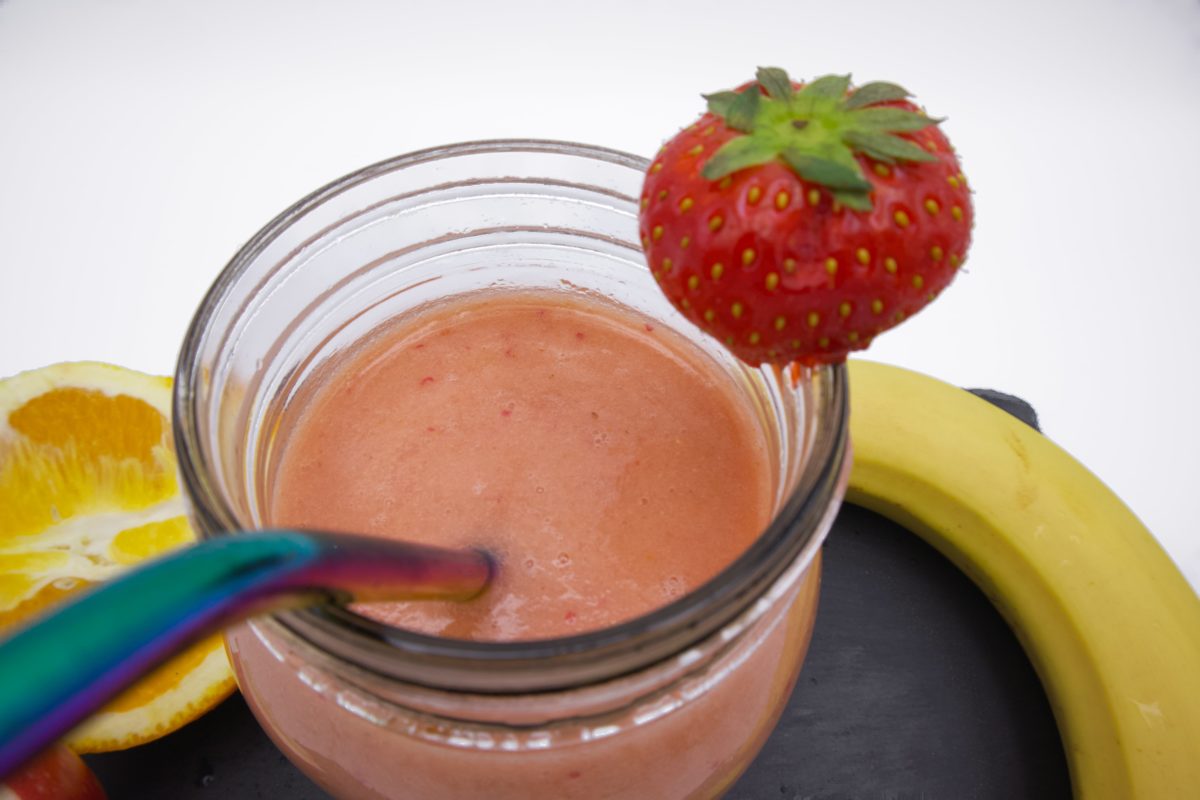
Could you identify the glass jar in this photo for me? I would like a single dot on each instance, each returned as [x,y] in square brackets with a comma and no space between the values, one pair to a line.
[672,704]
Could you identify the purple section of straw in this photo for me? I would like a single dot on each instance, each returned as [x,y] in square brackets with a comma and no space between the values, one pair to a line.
[372,570]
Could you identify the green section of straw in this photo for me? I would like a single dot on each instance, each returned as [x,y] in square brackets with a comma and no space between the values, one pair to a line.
[56,671]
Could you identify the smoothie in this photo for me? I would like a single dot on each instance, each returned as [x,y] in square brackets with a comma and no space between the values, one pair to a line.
[606,462]
[611,466]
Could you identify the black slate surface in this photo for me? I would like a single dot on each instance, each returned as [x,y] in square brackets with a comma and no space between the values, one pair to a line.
[914,687]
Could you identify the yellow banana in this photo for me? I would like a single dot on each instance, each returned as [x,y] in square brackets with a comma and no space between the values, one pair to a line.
[1111,625]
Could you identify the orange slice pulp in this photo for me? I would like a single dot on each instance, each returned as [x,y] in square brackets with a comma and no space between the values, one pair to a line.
[88,487]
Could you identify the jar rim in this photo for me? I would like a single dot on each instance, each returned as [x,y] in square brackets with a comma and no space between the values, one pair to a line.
[795,531]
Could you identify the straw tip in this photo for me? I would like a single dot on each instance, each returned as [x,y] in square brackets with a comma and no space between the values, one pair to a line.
[492,561]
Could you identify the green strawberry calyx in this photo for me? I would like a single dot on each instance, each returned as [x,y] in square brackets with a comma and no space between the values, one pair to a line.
[816,130]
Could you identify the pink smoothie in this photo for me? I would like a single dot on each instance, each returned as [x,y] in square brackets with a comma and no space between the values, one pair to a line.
[607,463]
[611,466]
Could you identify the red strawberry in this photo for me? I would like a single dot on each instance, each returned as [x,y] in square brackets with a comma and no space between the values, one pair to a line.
[796,223]
[55,774]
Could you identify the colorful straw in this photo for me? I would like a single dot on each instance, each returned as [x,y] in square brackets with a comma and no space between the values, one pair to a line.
[57,671]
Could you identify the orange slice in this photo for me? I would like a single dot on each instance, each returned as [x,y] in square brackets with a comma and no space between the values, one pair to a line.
[88,487]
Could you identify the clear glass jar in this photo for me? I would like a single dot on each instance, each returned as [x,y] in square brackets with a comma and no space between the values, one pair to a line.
[673,704]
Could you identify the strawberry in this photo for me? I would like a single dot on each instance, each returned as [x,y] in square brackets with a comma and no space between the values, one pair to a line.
[797,222]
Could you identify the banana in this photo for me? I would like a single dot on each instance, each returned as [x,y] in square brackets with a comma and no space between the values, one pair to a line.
[1111,625]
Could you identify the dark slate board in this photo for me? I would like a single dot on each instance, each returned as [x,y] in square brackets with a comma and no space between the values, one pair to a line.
[914,687]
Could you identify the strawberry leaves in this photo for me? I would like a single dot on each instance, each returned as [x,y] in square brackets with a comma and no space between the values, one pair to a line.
[817,130]
[738,109]
[885,148]
[739,153]
[826,171]
[890,119]
[830,86]
[870,94]
[775,82]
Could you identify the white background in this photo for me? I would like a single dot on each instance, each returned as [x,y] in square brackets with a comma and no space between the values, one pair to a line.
[142,142]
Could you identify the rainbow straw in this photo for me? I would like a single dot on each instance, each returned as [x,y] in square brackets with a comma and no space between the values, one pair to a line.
[66,665]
